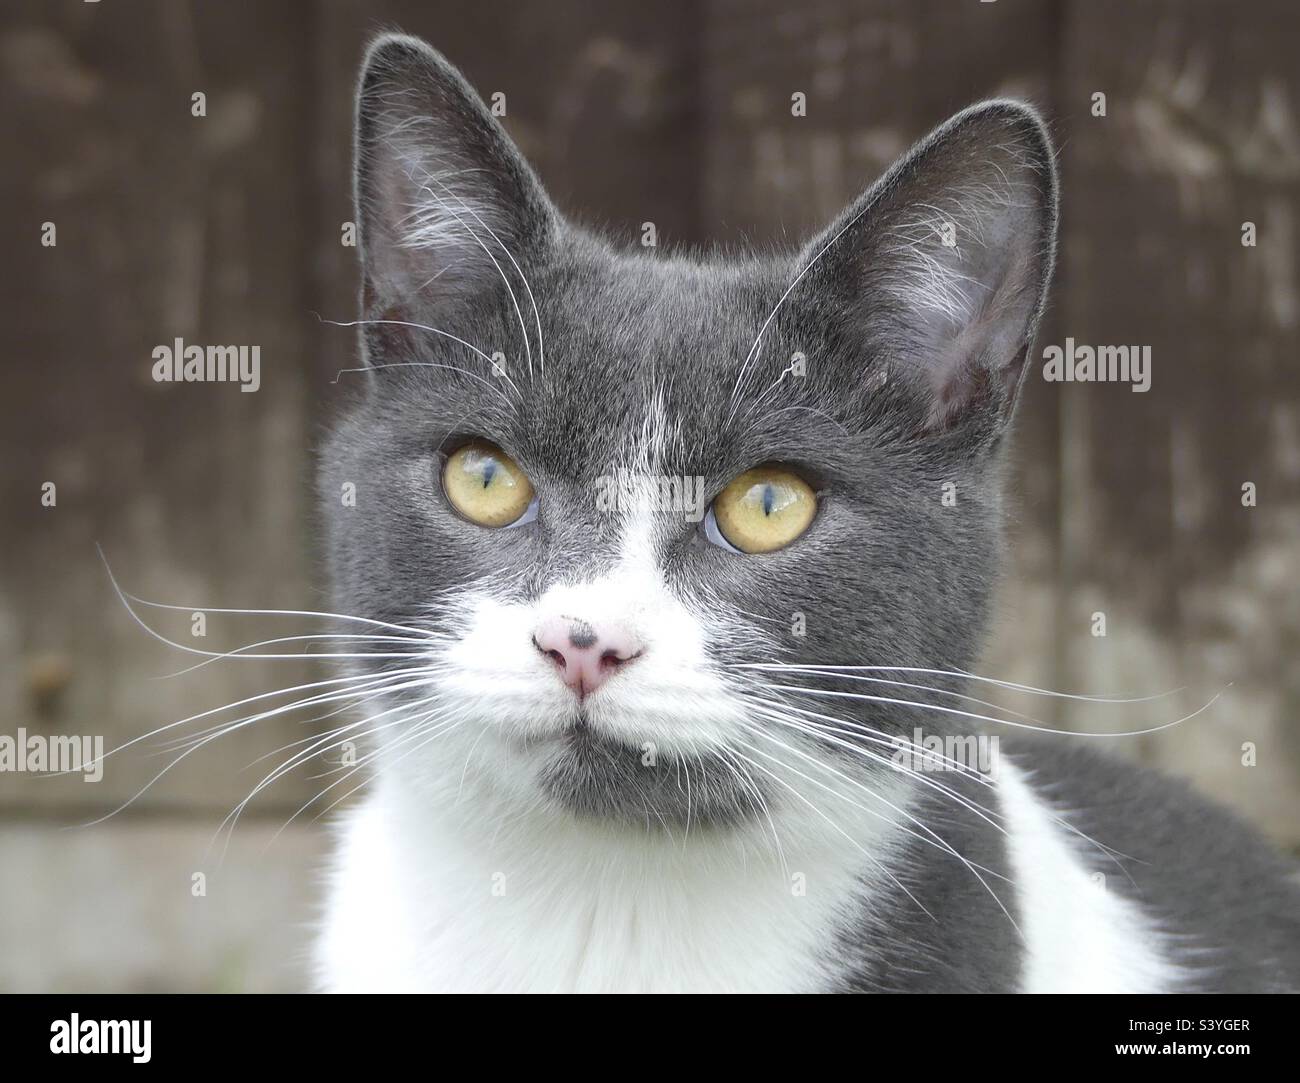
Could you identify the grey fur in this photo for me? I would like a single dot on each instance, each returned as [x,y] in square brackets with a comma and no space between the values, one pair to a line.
[895,403]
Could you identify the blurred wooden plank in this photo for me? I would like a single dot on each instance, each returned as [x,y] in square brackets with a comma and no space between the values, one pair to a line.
[1201,135]
[878,75]
[172,225]
[168,225]
[112,909]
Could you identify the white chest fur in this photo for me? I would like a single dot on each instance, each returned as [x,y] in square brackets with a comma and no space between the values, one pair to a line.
[470,898]
[553,905]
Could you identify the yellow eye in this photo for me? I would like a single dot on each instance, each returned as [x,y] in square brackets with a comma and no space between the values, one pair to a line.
[764,509]
[485,485]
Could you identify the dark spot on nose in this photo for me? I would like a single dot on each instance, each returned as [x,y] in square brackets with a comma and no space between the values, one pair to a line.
[582,634]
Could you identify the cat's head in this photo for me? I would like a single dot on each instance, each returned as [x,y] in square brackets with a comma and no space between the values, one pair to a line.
[540,477]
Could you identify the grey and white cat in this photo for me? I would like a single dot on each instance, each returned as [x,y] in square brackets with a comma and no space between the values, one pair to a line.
[604,761]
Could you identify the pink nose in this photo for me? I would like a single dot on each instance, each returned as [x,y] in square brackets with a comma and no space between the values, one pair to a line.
[585,654]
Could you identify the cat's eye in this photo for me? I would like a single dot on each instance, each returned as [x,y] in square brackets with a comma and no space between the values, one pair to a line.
[762,510]
[487,486]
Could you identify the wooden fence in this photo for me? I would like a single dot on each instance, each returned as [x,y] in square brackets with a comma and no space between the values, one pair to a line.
[226,228]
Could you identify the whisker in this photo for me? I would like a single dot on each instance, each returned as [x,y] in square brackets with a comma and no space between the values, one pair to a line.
[351,679]
[747,780]
[252,612]
[123,596]
[867,733]
[291,639]
[861,730]
[753,350]
[425,364]
[836,827]
[864,698]
[942,842]
[930,837]
[338,801]
[514,300]
[943,692]
[321,745]
[207,740]
[986,814]
[460,789]
[892,737]
[1013,686]
[537,316]
[429,721]
[349,700]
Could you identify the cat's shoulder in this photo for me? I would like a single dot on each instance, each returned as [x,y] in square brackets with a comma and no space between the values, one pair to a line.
[1228,898]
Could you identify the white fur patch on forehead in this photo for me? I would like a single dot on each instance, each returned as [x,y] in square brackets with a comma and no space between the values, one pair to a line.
[646,449]
[640,488]
[650,448]
[640,529]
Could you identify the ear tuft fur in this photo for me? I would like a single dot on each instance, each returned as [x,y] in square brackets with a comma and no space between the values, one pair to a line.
[944,264]
[445,202]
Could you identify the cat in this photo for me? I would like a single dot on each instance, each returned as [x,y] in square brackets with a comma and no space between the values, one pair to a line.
[620,747]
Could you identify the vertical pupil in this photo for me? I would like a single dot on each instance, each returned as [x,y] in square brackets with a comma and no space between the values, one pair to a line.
[489,471]
[769,498]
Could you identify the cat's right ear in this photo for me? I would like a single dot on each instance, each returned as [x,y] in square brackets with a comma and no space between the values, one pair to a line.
[447,208]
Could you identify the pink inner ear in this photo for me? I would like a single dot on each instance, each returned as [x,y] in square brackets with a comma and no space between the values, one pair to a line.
[967,388]
[982,364]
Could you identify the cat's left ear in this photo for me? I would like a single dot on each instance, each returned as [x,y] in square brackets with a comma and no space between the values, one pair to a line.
[943,266]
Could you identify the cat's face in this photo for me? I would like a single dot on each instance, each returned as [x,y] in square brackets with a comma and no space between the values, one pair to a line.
[544,455]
